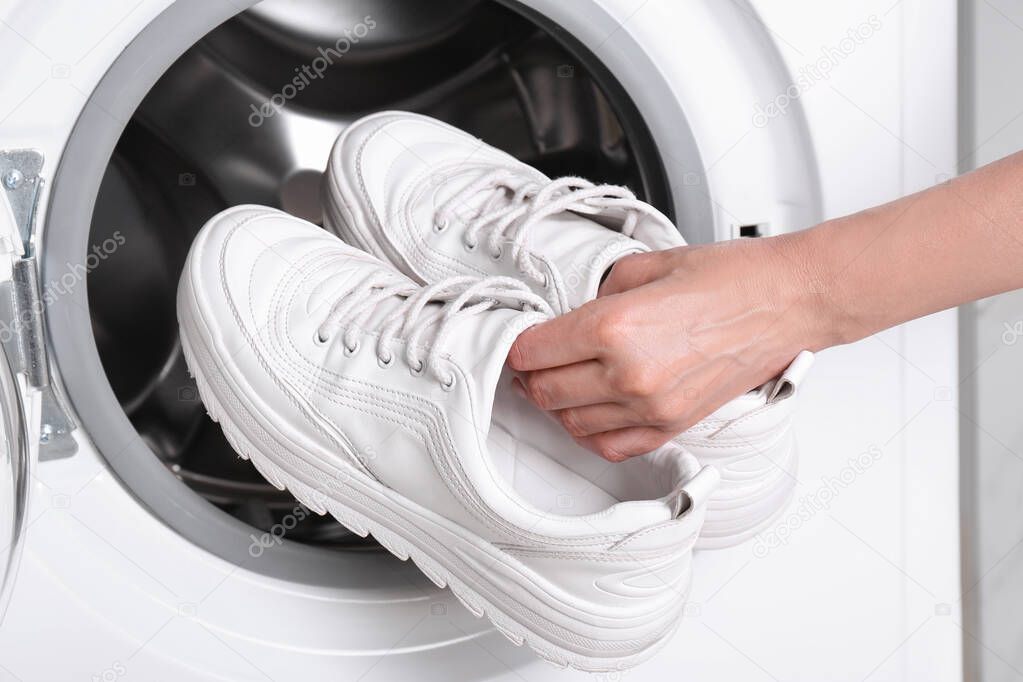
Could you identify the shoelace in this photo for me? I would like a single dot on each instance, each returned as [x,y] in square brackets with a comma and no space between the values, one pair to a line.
[461,297]
[514,204]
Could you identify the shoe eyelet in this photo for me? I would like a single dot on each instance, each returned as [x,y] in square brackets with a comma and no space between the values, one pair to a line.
[320,340]
[497,255]
[440,225]
[417,371]
[470,246]
[352,350]
[385,362]
[449,383]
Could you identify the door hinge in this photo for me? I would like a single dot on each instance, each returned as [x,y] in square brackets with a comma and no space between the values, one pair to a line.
[22,312]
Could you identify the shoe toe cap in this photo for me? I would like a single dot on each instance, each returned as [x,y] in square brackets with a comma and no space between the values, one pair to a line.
[378,159]
[242,254]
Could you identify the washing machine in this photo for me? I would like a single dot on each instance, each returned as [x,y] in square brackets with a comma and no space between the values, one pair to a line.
[137,546]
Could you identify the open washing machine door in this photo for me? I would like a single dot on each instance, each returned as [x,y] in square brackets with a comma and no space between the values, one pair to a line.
[20,335]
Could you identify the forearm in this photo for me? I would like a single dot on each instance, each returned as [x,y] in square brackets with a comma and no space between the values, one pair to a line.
[948,245]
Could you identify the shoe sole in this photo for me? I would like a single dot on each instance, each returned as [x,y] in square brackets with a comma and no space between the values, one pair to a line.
[718,538]
[741,512]
[349,487]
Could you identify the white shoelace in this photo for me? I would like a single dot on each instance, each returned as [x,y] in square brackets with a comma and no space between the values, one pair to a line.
[460,296]
[513,205]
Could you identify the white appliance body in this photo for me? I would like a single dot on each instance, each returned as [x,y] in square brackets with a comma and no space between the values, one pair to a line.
[859,581]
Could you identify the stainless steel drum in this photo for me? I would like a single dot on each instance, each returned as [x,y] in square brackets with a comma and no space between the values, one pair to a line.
[248,115]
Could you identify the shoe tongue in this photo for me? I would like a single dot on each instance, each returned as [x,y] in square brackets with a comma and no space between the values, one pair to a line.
[581,251]
[479,344]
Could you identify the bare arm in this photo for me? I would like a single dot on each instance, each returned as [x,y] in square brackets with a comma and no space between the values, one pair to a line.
[675,334]
[949,245]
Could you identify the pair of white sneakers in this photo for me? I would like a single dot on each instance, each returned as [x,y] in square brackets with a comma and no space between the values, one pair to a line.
[367,375]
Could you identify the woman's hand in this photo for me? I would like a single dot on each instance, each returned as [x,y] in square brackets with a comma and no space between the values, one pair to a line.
[672,336]
[675,334]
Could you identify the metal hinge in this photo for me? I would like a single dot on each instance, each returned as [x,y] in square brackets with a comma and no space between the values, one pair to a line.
[22,321]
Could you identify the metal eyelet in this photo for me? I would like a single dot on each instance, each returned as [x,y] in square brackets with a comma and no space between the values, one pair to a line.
[350,351]
[385,362]
[449,383]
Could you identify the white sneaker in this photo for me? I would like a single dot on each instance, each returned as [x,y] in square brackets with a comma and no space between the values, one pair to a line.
[750,440]
[436,202]
[372,398]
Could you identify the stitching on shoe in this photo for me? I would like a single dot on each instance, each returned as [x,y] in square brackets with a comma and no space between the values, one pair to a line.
[365,191]
[242,327]
[623,543]
[400,407]
[422,249]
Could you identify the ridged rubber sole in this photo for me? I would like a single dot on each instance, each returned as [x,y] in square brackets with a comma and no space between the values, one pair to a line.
[225,409]
[723,539]
[740,519]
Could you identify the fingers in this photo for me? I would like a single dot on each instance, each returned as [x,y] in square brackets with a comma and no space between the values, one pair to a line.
[634,271]
[562,341]
[623,444]
[583,383]
[593,419]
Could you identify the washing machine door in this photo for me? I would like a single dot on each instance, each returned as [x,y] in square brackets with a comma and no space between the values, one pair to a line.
[15,452]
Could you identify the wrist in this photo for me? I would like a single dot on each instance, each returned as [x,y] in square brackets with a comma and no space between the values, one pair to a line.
[810,290]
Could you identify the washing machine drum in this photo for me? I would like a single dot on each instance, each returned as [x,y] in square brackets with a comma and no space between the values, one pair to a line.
[248,114]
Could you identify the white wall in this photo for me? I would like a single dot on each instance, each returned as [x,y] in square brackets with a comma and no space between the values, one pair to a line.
[991,116]
[872,585]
